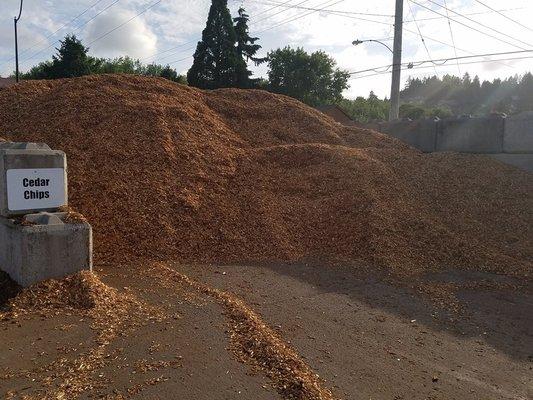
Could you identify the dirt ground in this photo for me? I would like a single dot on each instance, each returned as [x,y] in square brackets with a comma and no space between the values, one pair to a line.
[367,339]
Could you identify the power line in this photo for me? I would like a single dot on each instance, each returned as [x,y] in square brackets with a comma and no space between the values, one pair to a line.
[442,61]
[451,34]
[325,5]
[168,50]
[279,12]
[428,66]
[65,25]
[177,61]
[295,6]
[419,32]
[503,15]
[272,8]
[415,33]
[472,28]
[125,22]
[39,52]
[77,28]
[469,14]
[174,54]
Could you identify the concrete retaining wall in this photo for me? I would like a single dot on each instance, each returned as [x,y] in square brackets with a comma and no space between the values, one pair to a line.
[509,140]
[518,136]
[421,134]
[471,135]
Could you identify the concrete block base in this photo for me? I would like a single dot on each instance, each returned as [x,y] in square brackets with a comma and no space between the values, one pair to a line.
[36,252]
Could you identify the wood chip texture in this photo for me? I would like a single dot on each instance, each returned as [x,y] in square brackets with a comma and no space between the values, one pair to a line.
[165,171]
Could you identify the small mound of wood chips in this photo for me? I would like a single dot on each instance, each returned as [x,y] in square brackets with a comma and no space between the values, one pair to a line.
[111,314]
[255,343]
[72,217]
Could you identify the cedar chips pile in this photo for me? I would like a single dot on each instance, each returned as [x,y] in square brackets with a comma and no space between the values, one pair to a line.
[168,172]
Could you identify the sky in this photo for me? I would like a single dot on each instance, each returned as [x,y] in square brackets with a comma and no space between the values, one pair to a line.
[166,32]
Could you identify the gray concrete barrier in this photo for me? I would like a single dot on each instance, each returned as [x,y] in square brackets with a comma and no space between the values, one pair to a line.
[518,137]
[522,161]
[48,248]
[471,135]
[421,134]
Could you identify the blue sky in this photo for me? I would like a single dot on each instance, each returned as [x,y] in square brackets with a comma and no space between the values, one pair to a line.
[167,32]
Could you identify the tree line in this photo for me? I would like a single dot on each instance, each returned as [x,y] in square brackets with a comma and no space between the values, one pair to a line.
[470,96]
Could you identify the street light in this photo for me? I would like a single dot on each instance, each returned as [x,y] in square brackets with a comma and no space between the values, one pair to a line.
[358,42]
[16,20]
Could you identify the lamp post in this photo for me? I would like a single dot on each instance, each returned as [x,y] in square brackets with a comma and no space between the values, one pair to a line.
[15,20]
[394,111]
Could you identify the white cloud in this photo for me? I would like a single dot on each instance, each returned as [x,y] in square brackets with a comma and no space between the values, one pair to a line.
[135,38]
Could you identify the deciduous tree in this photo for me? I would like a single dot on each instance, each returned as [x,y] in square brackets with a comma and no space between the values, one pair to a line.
[311,78]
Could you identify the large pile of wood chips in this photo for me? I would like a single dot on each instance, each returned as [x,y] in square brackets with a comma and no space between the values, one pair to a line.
[165,171]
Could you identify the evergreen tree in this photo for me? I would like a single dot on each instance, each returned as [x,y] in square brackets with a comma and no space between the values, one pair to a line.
[246,46]
[216,62]
[246,49]
[71,59]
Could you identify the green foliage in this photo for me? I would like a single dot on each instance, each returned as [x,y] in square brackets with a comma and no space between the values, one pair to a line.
[246,46]
[127,65]
[72,60]
[311,78]
[411,111]
[470,96]
[366,110]
[246,50]
[216,61]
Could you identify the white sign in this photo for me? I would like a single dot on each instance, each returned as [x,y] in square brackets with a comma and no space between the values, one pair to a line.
[34,189]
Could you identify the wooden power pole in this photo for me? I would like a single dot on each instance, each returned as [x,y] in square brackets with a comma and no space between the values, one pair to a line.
[394,112]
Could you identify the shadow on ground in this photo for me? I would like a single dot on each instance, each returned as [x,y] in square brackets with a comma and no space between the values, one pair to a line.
[8,289]
[503,317]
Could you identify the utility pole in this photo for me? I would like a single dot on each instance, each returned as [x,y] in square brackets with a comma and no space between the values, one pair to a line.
[394,112]
[16,19]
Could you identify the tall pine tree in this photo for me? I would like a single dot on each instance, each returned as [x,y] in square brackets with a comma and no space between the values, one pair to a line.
[71,60]
[216,61]
[246,49]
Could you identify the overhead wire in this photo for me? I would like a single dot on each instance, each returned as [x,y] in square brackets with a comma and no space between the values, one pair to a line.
[473,28]
[503,15]
[125,22]
[451,34]
[469,14]
[77,29]
[58,29]
[442,61]
[420,33]
[272,8]
[428,66]
[295,6]
[291,19]
[278,12]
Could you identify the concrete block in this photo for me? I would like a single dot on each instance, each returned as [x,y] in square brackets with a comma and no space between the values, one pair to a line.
[471,135]
[32,178]
[421,134]
[518,137]
[32,253]
[522,161]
